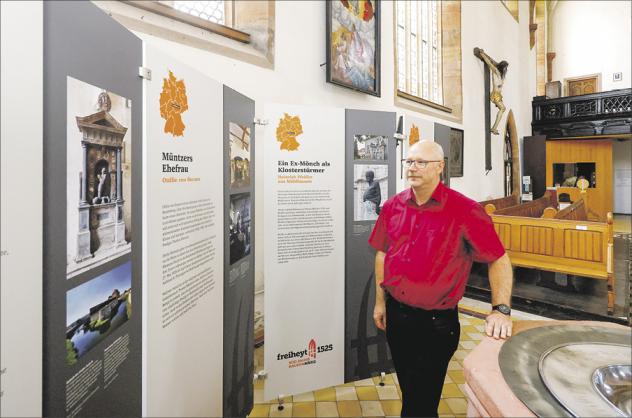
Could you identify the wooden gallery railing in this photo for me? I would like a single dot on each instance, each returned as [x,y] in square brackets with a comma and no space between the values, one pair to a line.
[564,242]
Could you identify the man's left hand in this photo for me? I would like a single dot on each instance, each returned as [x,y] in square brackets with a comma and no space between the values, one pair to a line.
[498,325]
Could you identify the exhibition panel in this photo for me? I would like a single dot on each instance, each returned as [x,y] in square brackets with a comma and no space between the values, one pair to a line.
[21,178]
[92,215]
[304,248]
[183,330]
[370,180]
[239,252]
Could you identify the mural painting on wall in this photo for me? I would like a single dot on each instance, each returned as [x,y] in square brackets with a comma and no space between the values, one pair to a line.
[239,156]
[456,152]
[353,44]
[370,191]
[98,181]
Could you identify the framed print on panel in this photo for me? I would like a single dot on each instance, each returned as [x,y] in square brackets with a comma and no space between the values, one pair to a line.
[353,44]
[456,152]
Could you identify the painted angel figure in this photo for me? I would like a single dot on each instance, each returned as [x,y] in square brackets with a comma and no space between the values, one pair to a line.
[498,69]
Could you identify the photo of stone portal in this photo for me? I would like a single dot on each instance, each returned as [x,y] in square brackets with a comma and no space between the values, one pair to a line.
[370,191]
[96,308]
[239,227]
[98,180]
[239,156]
[369,147]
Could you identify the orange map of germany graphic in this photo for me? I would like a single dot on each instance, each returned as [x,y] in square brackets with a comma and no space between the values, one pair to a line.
[173,102]
[289,128]
[413,137]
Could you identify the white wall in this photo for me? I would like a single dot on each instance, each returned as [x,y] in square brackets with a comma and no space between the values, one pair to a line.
[299,78]
[21,213]
[590,37]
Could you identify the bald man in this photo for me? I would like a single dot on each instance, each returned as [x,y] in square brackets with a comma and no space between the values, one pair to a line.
[426,239]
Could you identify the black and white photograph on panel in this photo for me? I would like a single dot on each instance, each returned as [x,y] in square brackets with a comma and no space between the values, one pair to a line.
[239,156]
[370,147]
[98,176]
[370,191]
[239,227]
[96,308]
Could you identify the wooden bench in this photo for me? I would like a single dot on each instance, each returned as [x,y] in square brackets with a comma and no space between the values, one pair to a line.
[534,209]
[566,243]
[575,212]
[492,205]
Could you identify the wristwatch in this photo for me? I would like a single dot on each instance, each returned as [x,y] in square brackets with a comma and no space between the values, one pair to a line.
[502,308]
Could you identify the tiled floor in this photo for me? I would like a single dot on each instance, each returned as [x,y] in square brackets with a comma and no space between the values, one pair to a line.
[366,398]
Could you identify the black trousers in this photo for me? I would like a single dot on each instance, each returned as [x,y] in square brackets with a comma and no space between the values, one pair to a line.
[422,343]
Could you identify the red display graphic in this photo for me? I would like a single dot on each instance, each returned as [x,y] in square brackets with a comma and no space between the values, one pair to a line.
[312,348]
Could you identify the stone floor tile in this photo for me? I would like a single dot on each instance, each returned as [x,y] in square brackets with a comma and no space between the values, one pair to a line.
[325,395]
[367,393]
[457,405]
[346,393]
[451,390]
[364,382]
[392,407]
[454,365]
[349,409]
[286,412]
[304,409]
[259,411]
[371,409]
[304,397]
[326,409]
[388,392]
[457,376]
[468,345]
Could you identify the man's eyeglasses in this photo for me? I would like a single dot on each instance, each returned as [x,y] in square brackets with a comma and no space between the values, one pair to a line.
[418,163]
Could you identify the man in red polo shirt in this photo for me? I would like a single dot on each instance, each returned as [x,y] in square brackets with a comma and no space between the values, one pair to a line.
[426,239]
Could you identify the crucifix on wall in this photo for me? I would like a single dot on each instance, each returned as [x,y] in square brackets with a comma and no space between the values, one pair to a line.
[498,71]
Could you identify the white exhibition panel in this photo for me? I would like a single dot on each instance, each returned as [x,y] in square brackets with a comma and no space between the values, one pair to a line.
[21,211]
[304,171]
[183,259]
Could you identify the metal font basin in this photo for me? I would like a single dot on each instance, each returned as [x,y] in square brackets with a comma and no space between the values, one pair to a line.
[614,383]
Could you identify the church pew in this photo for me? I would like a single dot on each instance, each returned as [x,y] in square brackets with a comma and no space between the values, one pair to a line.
[566,246]
[533,209]
[576,212]
[492,205]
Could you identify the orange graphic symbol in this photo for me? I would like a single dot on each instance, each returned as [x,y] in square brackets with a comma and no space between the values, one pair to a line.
[173,102]
[413,137]
[312,348]
[289,128]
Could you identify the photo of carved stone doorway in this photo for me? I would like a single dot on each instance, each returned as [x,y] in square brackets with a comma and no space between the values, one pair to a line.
[98,176]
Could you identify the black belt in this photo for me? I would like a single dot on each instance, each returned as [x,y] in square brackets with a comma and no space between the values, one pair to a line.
[440,313]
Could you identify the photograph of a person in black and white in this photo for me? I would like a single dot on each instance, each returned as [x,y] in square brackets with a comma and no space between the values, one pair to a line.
[370,191]
[239,227]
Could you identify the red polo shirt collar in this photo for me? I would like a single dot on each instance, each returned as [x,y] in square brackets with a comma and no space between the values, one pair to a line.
[438,196]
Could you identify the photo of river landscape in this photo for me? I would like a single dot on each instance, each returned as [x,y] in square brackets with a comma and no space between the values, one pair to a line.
[95,309]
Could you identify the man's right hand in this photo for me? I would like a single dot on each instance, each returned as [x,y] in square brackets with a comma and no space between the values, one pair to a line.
[379,316]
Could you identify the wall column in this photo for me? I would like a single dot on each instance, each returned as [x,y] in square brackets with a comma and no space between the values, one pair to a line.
[119,174]
[84,179]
